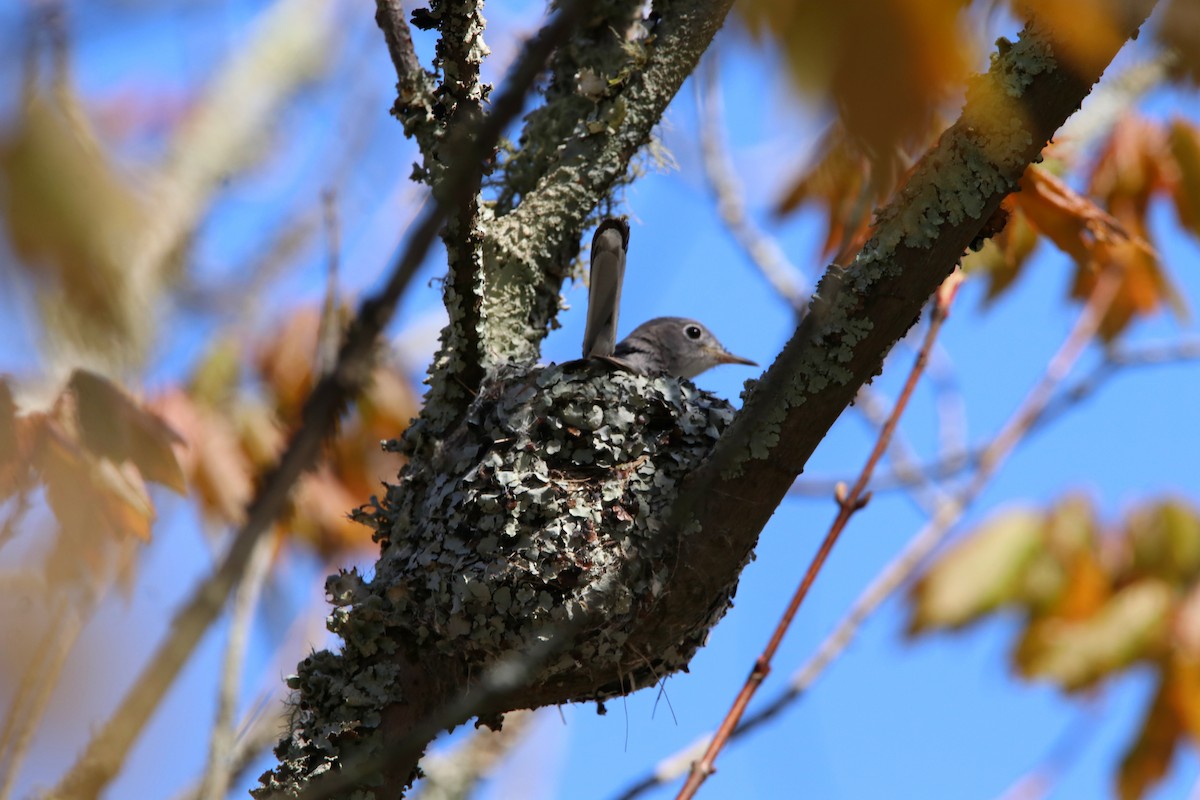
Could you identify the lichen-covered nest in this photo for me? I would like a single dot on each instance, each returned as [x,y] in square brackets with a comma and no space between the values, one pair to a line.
[545,506]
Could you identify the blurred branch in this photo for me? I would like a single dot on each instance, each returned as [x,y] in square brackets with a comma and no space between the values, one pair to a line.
[389,16]
[1115,361]
[570,170]
[1067,747]
[901,568]
[110,745]
[456,774]
[762,250]
[245,603]
[36,687]
[861,310]
[848,504]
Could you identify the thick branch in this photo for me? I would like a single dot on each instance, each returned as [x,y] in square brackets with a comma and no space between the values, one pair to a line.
[460,53]
[532,246]
[859,312]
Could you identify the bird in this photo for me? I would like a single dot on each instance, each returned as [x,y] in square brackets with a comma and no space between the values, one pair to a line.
[609,244]
[675,346]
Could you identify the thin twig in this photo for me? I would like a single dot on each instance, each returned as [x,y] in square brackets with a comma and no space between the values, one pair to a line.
[37,686]
[454,775]
[1064,750]
[901,568]
[245,602]
[110,745]
[763,251]
[389,16]
[848,503]
[951,464]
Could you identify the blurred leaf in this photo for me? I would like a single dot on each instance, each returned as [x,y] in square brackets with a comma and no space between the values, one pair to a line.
[1069,581]
[1085,31]
[885,65]
[1004,255]
[836,180]
[212,459]
[1186,629]
[286,361]
[1097,241]
[1129,169]
[321,515]
[1164,539]
[102,509]
[1184,142]
[73,222]
[1180,30]
[215,379]
[1143,288]
[1073,222]
[984,571]
[114,426]
[1147,759]
[1077,653]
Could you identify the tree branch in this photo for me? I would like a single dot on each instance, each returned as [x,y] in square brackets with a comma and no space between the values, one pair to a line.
[528,251]
[110,745]
[860,311]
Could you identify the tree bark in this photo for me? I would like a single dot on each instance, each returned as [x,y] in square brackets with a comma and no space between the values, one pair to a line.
[573,532]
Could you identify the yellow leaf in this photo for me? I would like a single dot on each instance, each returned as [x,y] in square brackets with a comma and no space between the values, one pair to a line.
[1078,653]
[1164,540]
[981,573]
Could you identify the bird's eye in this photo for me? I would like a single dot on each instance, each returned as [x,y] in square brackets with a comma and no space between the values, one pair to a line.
[692,331]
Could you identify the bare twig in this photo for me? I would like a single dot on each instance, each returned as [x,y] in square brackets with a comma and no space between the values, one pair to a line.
[109,746]
[1115,361]
[389,16]
[901,568]
[455,774]
[245,603]
[848,503]
[1065,749]
[37,686]
[763,251]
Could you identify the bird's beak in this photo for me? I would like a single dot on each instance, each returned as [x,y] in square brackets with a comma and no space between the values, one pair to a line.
[726,357]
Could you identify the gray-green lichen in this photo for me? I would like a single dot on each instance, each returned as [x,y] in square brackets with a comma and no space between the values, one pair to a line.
[543,510]
[977,160]
[557,481]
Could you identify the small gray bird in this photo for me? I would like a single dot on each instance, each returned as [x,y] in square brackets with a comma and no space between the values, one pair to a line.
[672,346]
[604,287]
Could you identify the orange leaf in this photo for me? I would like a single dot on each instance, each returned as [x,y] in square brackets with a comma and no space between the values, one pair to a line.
[1003,255]
[286,361]
[1077,653]
[1129,169]
[1184,140]
[1148,758]
[213,459]
[885,65]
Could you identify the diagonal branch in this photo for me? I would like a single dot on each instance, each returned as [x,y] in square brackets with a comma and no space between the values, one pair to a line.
[110,745]
[531,248]
[848,504]
[860,311]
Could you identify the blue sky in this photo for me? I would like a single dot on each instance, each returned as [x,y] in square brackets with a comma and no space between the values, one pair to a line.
[939,718]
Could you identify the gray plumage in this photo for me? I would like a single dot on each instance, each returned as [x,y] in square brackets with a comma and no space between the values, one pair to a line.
[604,287]
[673,346]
